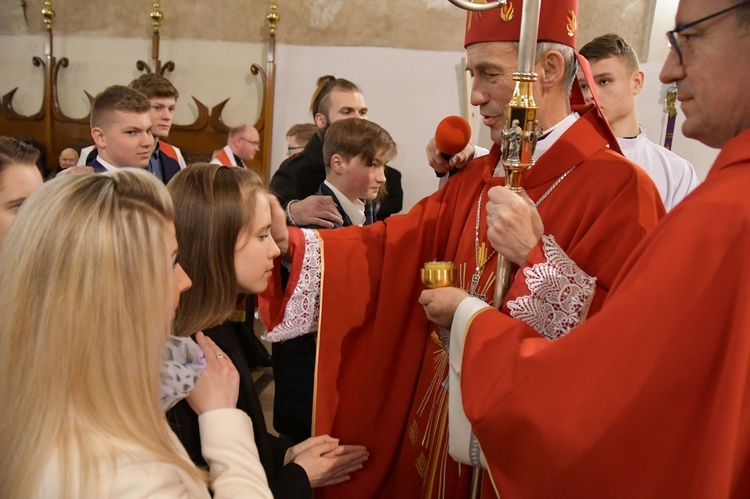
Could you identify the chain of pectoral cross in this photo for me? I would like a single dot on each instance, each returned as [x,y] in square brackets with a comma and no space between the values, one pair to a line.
[480,255]
[480,250]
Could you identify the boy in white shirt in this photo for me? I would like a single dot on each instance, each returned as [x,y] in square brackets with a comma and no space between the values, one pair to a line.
[618,80]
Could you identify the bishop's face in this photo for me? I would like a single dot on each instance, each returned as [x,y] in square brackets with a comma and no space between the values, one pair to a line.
[492,64]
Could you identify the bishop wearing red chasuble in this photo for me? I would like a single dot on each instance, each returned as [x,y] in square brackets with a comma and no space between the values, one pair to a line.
[382,366]
[650,398]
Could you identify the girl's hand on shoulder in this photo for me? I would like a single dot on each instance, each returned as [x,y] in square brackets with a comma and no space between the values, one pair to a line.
[219,385]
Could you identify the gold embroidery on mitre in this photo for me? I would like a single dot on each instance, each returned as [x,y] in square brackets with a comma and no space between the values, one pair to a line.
[474,15]
[572,24]
[507,11]
[421,465]
[413,432]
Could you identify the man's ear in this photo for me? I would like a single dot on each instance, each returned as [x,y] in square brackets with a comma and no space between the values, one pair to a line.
[321,121]
[551,69]
[98,135]
[337,164]
[637,82]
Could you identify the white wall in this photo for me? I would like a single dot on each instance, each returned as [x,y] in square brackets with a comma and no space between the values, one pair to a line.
[664,12]
[407,92]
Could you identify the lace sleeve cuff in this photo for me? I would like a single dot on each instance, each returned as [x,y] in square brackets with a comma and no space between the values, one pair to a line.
[302,310]
[558,292]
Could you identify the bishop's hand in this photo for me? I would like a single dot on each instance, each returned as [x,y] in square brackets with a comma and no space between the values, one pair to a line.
[440,304]
[514,226]
[279,230]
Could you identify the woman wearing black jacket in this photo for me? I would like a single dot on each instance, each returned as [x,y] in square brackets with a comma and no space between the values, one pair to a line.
[223,221]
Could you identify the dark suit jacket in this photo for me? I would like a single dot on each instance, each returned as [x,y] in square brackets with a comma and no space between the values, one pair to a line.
[170,167]
[98,167]
[288,481]
[324,190]
[54,173]
[300,175]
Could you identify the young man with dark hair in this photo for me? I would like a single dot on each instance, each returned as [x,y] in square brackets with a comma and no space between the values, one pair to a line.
[166,160]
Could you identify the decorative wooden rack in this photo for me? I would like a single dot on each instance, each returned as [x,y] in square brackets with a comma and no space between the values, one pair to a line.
[197,140]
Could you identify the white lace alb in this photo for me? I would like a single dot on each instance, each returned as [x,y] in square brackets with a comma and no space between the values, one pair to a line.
[303,309]
[559,289]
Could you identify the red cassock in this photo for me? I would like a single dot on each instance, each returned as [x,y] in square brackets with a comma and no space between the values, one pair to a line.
[649,398]
[380,371]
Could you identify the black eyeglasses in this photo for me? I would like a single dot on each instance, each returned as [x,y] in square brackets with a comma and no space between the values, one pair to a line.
[256,143]
[672,36]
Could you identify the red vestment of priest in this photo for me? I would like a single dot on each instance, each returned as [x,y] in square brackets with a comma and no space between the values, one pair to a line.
[380,373]
[650,398]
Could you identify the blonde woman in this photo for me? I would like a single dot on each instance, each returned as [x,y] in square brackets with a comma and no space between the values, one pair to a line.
[88,287]
[223,218]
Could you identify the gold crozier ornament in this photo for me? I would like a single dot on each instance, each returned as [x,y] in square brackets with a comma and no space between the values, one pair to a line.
[521,126]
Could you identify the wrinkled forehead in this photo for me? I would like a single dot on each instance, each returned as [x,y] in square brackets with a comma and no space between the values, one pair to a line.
[491,54]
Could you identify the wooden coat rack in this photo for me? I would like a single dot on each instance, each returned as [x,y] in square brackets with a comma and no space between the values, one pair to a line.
[56,131]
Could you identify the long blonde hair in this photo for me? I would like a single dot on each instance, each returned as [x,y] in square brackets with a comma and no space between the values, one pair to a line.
[213,204]
[85,291]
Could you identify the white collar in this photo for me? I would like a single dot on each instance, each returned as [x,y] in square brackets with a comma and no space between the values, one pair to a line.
[553,133]
[626,141]
[355,211]
[107,166]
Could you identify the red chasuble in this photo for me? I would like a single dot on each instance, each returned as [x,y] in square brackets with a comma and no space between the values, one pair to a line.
[380,366]
[650,398]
